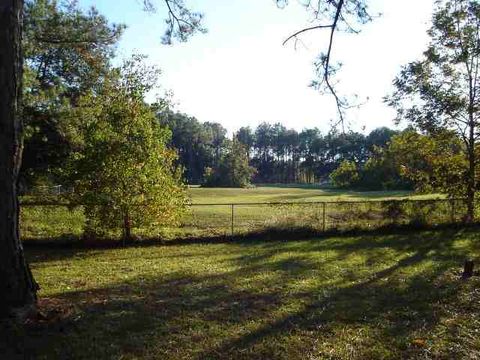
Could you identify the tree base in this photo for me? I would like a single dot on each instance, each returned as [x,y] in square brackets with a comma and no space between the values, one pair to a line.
[22,314]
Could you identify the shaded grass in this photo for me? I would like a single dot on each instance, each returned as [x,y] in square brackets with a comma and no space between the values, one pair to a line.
[358,297]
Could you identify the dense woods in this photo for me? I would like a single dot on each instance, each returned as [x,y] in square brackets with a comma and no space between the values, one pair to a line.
[279,154]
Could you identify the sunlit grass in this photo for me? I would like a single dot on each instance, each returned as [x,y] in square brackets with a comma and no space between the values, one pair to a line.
[367,297]
[50,222]
[286,193]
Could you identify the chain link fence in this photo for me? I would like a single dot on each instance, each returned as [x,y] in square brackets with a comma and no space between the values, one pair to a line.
[55,220]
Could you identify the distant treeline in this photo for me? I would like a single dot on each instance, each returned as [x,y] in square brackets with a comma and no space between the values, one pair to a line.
[279,154]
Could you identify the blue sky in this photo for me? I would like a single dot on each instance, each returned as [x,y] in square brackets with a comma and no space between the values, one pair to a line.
[239,73]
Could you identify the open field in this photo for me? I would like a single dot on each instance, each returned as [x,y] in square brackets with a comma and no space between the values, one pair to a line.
[287,193]
[223,219]
[365,297]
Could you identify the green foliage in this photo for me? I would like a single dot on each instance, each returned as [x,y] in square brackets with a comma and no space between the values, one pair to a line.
[233,169]
[433,163]
[67,51]
[441,91]
[199,145]
[122,168]
[280,155]
[284,155]
[379,138]
[346,175]
[381,171]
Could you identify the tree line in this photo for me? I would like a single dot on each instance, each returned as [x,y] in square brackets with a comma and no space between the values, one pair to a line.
[278,154]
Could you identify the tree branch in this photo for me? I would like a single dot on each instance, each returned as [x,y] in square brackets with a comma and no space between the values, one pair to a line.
[294,35]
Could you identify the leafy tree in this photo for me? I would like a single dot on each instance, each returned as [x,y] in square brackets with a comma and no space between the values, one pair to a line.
[67,53]
[233,169]
[346,175]
[217,136]
[432,163]
[441,91]
[245,136]
[382,171]
[123,170]
[379,138]
[199,145]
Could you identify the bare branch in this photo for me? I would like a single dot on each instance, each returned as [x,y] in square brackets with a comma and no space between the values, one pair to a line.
[305,30]
[339,12]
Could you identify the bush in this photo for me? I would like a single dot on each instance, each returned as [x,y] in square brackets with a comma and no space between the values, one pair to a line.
[346,175]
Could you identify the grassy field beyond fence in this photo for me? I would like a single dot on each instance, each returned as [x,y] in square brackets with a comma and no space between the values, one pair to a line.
[279,209]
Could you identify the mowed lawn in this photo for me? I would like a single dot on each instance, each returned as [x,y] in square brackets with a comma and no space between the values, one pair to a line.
[286,193]
[363,297]
[53,222]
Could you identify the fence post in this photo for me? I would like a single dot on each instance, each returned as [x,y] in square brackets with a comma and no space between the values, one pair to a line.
[324,217]
[453,211]
[232,217]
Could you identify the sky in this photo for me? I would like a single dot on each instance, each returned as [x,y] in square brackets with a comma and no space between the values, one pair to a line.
[240,74]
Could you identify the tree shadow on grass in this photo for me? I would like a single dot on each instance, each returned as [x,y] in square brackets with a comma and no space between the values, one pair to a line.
[365,297]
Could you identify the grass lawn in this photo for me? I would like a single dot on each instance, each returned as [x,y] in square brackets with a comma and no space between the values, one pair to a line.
[47,222]
[363,297]
[279,193]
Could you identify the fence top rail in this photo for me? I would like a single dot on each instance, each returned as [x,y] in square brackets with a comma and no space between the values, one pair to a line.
[344,202]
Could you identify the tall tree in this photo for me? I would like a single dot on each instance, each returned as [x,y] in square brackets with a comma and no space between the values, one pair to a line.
[199,145]
[17,287]
[67,53]
[379,137]
[247,138]
[137,184]
[233,169]
[431,163]
[441,91]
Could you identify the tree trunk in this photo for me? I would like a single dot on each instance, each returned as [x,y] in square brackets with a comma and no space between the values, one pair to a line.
[17,287]
[471,181]
[127,228]
[470,218]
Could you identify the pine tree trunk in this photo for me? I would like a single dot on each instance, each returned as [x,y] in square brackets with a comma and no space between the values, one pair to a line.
[17,287]
[127,228]
[471,185]
[471,182]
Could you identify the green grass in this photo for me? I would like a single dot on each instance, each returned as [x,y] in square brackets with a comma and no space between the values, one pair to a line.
[58,222]
[287,193]
[364,297]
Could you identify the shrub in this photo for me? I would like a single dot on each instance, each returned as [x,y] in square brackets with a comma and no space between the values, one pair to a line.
[346,175]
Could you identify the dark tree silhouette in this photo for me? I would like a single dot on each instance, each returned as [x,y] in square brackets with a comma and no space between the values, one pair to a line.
[17,287]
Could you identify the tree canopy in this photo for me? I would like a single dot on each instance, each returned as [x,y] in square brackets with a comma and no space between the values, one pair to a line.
[67,53]
[441,91]
[122,169]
